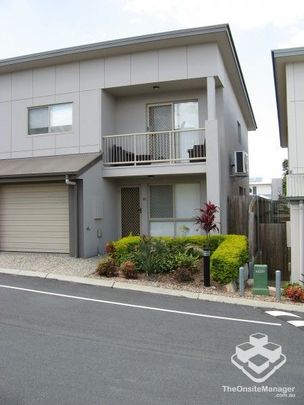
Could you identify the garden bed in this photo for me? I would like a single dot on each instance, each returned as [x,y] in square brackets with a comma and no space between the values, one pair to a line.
[167,281]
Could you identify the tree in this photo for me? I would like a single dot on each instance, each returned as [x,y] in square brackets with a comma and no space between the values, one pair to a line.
[285,172]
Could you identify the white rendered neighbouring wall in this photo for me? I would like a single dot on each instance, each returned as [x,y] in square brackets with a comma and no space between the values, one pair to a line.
[295,116]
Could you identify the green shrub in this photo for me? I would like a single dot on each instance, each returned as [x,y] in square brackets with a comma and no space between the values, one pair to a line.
[158,255]
[106,267]
[123,249]
[188,261]
[152,255]
[228,258]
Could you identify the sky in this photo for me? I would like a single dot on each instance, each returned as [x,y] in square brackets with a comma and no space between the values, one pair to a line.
[29,26]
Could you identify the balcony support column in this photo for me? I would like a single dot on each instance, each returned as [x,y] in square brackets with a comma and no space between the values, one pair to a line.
[213,168]
[211,98]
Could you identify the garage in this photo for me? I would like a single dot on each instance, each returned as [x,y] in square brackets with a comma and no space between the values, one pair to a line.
[45,200]
[34,217]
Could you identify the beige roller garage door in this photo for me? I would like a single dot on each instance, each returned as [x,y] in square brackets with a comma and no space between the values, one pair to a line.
[34,218]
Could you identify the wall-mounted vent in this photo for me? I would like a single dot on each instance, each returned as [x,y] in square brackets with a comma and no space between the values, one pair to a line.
[240,163]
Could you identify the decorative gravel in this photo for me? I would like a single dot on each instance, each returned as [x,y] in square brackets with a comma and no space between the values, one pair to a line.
[49,262]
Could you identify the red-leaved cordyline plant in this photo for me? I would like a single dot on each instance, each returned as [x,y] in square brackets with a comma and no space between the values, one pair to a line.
[206,219]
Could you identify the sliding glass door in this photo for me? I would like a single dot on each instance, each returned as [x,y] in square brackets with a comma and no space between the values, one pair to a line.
[179,117]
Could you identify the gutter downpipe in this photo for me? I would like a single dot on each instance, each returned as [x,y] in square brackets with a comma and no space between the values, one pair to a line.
[69,182]
[73,217]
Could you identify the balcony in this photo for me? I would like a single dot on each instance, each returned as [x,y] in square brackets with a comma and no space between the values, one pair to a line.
[165,148]
[295,185]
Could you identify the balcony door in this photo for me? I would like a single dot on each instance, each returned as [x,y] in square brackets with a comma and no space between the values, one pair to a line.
[179,116]
[160,119]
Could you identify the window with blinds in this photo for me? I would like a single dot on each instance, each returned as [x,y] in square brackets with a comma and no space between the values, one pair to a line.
[172,209]
[50,119]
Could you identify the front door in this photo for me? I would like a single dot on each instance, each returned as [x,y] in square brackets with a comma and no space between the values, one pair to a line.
[130,211]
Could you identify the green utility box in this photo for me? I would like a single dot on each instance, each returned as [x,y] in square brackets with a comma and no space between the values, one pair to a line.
[260,279]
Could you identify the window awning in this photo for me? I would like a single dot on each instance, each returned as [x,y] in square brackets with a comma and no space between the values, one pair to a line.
[73,165]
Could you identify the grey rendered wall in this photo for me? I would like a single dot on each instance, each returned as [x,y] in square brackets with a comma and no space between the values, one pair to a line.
[144,184]
[99,212]
[71,82]
[81,83]
[228,114]
[108,106]
[131,112]
[178,63]
[110,208]
[91,212]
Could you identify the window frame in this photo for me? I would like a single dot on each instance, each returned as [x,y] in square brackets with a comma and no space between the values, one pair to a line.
[48,107]
[174,219]
[172,103]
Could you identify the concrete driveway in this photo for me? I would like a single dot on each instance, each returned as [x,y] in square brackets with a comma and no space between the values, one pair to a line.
[49,262]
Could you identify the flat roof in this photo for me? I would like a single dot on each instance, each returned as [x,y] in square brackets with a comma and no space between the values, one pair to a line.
[219,34]
[47,165]
[280,57]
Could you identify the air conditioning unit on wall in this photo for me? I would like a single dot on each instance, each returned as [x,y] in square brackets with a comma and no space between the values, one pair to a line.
[240,163]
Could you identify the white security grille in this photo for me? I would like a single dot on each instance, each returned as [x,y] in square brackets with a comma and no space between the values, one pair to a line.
[161,201]
[186,145]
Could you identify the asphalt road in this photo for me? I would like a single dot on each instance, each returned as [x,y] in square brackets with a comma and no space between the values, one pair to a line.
[65,343]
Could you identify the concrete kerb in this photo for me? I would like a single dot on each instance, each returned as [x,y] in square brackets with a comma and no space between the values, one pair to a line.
[155,290]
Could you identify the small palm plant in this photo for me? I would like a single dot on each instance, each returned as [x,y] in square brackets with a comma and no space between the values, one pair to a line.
[206,220]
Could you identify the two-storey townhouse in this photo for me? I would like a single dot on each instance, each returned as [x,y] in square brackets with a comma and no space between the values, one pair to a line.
[288,67]
[125,136]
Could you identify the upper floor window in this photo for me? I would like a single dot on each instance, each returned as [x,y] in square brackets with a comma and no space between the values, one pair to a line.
[50,119]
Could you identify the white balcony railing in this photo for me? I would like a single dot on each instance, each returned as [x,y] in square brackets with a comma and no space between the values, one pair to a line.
[183,145]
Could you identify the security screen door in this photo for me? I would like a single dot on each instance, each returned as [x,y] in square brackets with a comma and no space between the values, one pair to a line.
[130,211]
[173,116]
[160,120]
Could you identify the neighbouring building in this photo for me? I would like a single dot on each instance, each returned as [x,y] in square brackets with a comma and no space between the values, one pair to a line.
[288,67]
[271,189]
[119,137]
[260,187]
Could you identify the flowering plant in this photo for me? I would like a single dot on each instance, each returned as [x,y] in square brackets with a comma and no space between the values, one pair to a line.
[206,219]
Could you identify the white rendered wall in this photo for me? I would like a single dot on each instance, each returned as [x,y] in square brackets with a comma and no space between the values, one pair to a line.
[295,116]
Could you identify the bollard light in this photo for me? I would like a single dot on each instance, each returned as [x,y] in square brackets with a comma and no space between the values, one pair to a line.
[278,284]
[241,281]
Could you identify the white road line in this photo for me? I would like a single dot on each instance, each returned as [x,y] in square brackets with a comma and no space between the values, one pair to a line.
[122,304]
[282,313]
[296,323]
